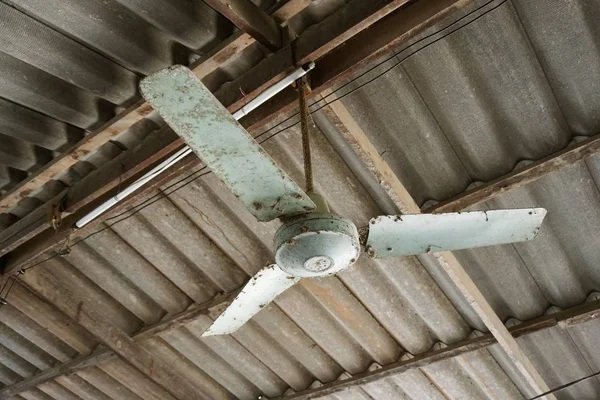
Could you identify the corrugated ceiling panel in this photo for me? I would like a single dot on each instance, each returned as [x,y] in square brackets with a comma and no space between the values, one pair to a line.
[474,375]
[495,100]
[561,360]
[564,35]
[106,384]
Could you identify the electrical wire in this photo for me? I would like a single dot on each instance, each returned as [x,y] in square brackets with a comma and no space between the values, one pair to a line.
[566,385]
[354,80]
[164,193]
[320,107]
[396,54]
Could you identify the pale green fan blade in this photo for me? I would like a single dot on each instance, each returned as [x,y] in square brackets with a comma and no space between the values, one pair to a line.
[263,288]
[403,235]
[223,144]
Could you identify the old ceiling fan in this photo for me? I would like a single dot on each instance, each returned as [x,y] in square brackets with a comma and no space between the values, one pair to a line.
[312,242]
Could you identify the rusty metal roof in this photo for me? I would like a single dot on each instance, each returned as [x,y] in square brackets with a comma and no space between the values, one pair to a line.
[514,86]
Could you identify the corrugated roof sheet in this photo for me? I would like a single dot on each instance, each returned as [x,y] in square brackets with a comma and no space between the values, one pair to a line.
[69,66]
[518,84]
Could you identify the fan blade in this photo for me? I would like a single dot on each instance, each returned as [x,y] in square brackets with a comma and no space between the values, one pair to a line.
[391,236]
[223,144]
[267,284]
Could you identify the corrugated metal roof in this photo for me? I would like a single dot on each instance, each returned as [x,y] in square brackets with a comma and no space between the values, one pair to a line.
[69,66]
[516,85]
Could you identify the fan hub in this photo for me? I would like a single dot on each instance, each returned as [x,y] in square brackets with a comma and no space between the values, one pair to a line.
[316,244]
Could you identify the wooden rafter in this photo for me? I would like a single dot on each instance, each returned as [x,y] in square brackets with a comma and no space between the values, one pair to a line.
[567,318]
[103,331]
[347,126]
[250,19]
[136,112]
[522,176]
[106,354]
[354,18]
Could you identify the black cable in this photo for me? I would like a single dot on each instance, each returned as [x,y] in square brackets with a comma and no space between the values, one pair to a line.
[161,195]
[153,199]
[384,72]
[391,57]
[566,385]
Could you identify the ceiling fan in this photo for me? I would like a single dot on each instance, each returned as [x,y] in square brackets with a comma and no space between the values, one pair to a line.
[312,242]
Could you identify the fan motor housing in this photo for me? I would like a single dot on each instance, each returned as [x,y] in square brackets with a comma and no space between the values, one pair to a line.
[316,244]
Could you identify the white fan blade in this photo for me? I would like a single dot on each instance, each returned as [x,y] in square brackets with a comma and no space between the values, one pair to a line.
[403,235]
[223,144]
[267,284]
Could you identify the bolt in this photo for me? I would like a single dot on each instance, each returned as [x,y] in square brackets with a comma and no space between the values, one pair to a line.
[370,252]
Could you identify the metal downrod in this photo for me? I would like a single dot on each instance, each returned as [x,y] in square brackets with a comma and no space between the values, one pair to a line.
[305,119]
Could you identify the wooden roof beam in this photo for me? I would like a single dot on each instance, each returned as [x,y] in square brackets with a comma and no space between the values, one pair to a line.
[521,176]
[105,354]
[138,111]
[564,319]
[115,339]
[366,151]
[251,19]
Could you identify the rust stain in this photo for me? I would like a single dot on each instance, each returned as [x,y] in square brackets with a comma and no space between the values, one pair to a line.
[328,297]
[145,110]
[225,54]
[80,153]
[25,193]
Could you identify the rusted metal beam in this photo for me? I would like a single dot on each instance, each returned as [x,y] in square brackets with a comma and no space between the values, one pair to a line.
[522,176]
[136,112]
[366,151]
[103,331]
[106,354]
[564,319]
[251,19]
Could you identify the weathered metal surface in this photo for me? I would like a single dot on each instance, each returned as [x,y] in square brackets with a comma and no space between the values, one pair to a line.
[262,289]
[316,245]
[403,235]
[223,144]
